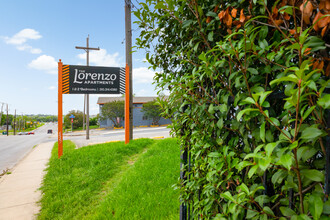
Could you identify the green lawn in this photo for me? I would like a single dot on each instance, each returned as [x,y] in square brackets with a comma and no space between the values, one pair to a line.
[113,181]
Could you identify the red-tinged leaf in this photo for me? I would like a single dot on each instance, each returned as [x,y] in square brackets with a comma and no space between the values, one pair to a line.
[315,64]
[228,19]
[208,19]
[275,11]
[306,19]
[316,24]
[322,5]
[321,65]
[327,70]
[216,8]
[242,16]
[307,51]
[292,31]
[229,31]
[236,22]
[286,16]
[327,5]
[278,22]
[283,3]
[324,21]
[234,12]
[324,30]
[221,15]
[307,10]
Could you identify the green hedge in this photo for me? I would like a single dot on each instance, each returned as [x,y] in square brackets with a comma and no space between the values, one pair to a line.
[247,82]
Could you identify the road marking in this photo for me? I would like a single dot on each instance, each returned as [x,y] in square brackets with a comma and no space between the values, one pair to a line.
[161,137]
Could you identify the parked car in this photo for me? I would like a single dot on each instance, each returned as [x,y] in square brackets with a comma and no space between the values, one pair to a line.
[30,132]
[23,133]
[50,131]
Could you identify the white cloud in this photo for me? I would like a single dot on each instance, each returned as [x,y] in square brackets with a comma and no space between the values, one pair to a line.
[45,63]
[20,39]
[29,48]
[101,58]
[143,75]
[35,50]
[22,36]
[52,87]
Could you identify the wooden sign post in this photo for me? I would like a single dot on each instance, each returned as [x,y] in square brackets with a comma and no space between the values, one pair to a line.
[60,111]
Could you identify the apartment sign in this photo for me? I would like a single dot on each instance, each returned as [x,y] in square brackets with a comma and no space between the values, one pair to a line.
[92,80]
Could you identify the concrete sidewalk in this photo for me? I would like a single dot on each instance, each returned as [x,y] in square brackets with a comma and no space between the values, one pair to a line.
[19,190]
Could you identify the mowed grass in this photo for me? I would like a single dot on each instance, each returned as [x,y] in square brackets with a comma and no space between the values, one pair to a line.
[113,181]
[145,191]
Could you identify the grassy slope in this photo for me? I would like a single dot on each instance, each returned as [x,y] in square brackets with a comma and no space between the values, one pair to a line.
[146,190]
[88,182]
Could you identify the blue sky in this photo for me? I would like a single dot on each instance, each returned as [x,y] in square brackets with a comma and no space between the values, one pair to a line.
[35,34]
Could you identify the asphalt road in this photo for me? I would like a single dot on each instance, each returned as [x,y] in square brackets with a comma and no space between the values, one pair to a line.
[14,148]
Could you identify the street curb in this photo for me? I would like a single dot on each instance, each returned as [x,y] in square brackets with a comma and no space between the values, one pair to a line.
[160,137]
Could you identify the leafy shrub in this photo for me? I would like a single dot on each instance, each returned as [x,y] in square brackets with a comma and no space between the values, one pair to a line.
[251,80]
[77,121]
[152,110]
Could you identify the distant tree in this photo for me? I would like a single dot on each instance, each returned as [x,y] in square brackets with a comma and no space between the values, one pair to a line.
[4,119]
[152,110]
[77,121]
[112,111]
[94,120]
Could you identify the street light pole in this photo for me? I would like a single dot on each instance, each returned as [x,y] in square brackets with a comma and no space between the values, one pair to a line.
[87,49]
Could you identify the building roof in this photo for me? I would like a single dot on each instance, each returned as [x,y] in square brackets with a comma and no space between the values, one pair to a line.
[136,100]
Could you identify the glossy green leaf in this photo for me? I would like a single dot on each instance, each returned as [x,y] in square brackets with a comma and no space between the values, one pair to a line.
[314,175]
[326,207]
[287,211]
[311,133]
[324,102]
[241,113]
[315,206]
[269,148]
[227,196]
[286,161]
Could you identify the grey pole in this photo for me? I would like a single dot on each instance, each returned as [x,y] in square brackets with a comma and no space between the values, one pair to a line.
[15,123]
[87,49]
[1,112]
[87,95]
[7,120]
[84,112]
[128,38]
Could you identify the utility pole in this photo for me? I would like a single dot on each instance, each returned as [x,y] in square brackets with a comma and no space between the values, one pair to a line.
[84,112]
[15,122]
[1,112]
[21,126]
[128,37]
[87,49]
[7,120]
